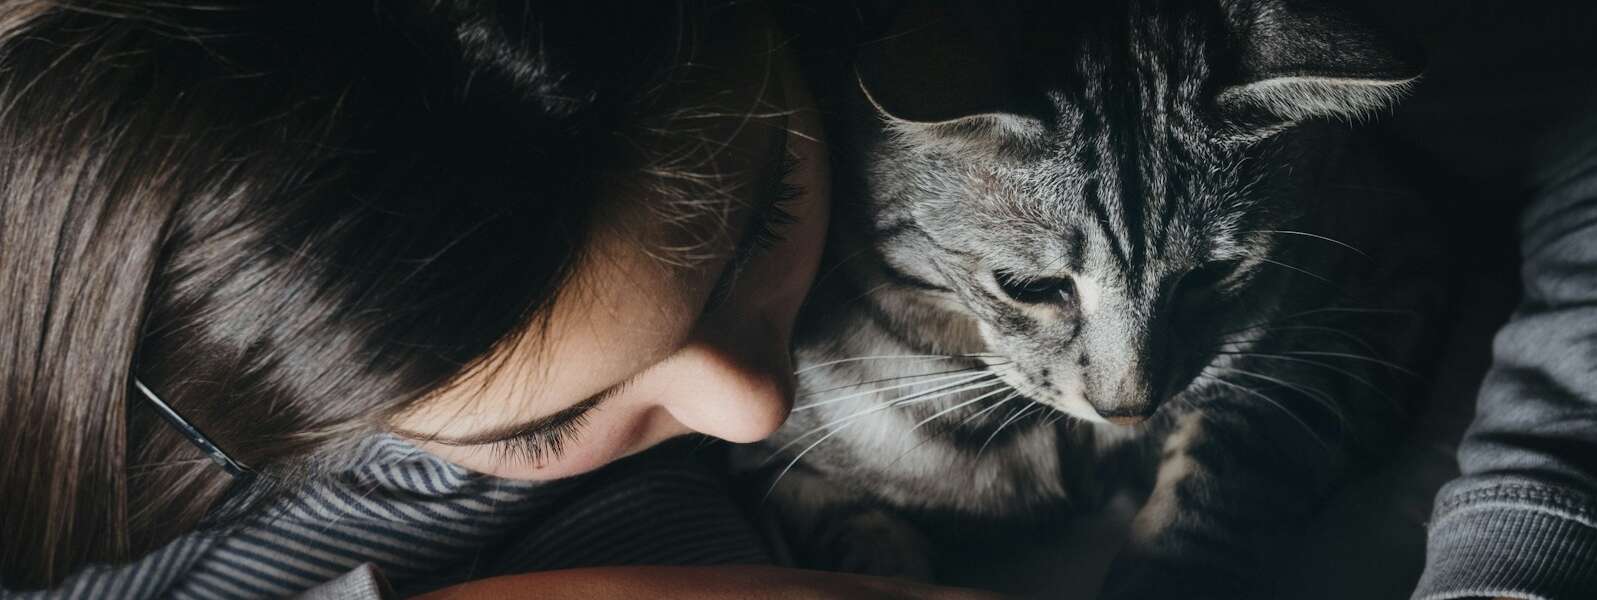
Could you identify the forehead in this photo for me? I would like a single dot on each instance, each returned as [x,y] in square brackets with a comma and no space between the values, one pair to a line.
[1136,166]
[1078,203]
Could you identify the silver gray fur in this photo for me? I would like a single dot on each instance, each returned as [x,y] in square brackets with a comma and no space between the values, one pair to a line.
[1192,237]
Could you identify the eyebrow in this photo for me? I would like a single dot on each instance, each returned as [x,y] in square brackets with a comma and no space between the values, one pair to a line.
[536,426]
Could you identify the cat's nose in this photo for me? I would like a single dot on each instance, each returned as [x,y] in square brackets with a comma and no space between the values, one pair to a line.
[1128,418]
[1135,398]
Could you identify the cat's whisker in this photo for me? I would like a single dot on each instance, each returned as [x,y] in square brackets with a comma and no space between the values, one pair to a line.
[1015,415]
[1274,322]
[949,373]
[1320,397]
[1337,332]
[982,385]
[923,357]
[1237,344]
[955,407]
[962,379]
[1058,416]
[1271,323]
[1005,400]
[1296,268]
[800,456]
[1280,321]
[1312,235]
[915,398]
[1349,374]
[1278,405]
[844,423]
[1341,333]
[934,417]
[1385,363]
[1226,348]
[1250,327]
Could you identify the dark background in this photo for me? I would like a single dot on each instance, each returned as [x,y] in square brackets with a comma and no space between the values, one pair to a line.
[1502,78]
[1500,75]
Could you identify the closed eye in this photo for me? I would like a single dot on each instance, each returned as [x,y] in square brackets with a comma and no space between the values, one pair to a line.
[768,223]
[1042,290]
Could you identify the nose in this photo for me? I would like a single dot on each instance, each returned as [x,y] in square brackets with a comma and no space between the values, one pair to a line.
[736,387]
[1134,398]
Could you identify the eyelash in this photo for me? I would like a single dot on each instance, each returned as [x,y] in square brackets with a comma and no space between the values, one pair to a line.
[772,222]
[775,217]
[539,447]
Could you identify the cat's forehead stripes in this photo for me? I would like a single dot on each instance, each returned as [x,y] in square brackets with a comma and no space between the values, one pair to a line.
[1131,102]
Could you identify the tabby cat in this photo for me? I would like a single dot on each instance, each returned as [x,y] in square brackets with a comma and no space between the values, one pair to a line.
[1094,246]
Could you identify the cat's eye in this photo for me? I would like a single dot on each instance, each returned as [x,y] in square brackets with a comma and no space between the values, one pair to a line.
[1210,277]
[1044,290]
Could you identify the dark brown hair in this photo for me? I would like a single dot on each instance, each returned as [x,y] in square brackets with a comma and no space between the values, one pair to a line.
[290,219]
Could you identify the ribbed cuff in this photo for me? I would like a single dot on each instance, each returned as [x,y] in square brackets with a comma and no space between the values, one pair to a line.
[1514,541]
[365,582]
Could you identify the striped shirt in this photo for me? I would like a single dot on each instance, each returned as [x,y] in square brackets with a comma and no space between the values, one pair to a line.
[425,523]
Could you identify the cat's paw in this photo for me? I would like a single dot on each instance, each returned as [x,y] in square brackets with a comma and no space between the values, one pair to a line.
[875,542]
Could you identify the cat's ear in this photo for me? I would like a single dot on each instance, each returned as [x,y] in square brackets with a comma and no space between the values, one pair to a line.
[942,73]
[1301,60]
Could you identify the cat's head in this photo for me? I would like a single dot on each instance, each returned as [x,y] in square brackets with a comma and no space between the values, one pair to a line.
[1097,195]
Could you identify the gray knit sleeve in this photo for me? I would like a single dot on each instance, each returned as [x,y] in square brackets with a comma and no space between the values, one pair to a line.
[1522,520]
[364,582]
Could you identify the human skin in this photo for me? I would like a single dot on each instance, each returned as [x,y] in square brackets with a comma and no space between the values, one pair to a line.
[629,315]
[724,372]
[701,583]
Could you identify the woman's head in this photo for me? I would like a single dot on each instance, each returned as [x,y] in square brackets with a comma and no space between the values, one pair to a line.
[451,219]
